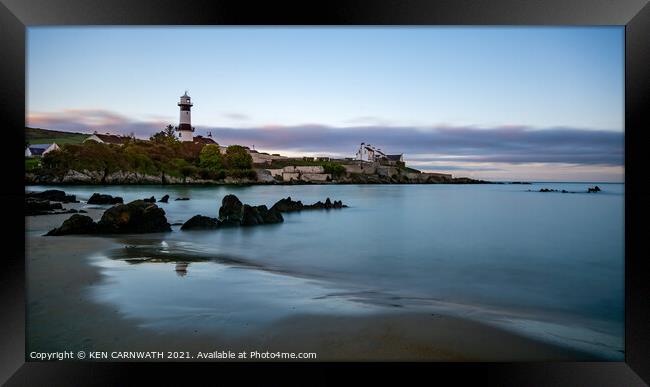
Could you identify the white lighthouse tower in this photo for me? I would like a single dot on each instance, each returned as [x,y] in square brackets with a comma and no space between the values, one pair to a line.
[185,125]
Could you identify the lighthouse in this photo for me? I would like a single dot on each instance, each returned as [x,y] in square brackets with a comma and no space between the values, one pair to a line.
[185,125]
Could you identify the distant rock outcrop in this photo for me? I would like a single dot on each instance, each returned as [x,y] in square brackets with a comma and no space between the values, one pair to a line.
[97,198]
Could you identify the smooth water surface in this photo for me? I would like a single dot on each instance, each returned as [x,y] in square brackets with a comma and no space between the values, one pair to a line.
[546,264]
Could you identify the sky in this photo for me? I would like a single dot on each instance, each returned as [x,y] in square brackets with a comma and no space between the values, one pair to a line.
[499,103]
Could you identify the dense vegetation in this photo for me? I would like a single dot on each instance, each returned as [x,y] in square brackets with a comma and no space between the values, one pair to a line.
[162,154]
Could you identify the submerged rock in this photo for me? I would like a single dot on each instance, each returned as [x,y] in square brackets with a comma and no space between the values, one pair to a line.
[54,195]
[97,198]
[200,222]
[164,199]
[135,217]
[76,224]
[182,199]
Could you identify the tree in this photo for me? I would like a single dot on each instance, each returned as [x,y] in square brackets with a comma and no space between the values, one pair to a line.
[166,136]
[237,157]
[210,157]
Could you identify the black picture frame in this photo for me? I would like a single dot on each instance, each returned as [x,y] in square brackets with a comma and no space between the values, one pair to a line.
[16,15]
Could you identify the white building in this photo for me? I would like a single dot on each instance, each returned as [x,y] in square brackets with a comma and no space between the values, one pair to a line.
[372,154]
[38,150]
[185,128]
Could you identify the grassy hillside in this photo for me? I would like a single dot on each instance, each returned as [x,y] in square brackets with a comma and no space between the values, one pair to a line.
[46,136]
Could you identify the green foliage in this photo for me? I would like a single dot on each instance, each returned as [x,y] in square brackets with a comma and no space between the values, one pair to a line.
[149,158]
[335,169]
[210,158]
[31,164]
[238,158]
[166,136]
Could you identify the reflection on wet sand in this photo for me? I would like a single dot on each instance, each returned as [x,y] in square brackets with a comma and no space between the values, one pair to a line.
[181,268]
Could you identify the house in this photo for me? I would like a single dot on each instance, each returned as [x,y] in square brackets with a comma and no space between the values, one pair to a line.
[108,139]
[203,140]
[372,154]
[38,150]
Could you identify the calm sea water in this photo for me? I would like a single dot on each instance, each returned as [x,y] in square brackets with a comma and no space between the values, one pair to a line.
[550,265]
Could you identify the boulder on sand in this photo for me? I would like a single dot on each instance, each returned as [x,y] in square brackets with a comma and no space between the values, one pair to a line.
[135,217]
[230,212]
[54,195]
[200,222]
[76,224]
[164,199]
[97,198]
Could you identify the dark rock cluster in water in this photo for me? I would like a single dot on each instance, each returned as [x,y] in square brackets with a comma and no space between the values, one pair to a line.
[97,198]
[164,199]
[589,190]
[288,205]
[135,217]
[48,203]
[235,213]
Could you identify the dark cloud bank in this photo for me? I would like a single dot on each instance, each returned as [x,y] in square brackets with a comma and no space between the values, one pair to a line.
[505,145]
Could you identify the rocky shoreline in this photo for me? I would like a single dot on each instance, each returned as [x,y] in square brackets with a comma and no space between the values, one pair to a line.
[263,178]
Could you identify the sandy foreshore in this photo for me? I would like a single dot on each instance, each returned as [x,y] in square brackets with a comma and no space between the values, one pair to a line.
[62,317]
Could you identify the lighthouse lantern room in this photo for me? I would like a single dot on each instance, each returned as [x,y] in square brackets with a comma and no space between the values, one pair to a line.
[185,128]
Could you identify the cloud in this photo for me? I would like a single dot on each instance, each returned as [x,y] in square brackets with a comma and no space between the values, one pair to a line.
[90,120]
[427,146]
[237,116]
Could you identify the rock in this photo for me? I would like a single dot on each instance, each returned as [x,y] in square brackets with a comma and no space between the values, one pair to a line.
[547,190]
[270,216]
[287,205]
[150,200]
[54,195]
[593,189]
[230,212]
[135,217]
[97,198]
[40,207]
[164,199]
[83,211]
[76,224]
[200,222]
[182,199]
[250,216]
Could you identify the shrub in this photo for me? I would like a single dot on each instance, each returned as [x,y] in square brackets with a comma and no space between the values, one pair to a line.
[238,158]
[210,157]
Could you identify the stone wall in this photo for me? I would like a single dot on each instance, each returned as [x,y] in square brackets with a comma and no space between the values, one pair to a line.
[315,177]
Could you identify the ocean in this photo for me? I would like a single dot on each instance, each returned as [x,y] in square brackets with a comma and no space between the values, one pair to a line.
[547,265]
